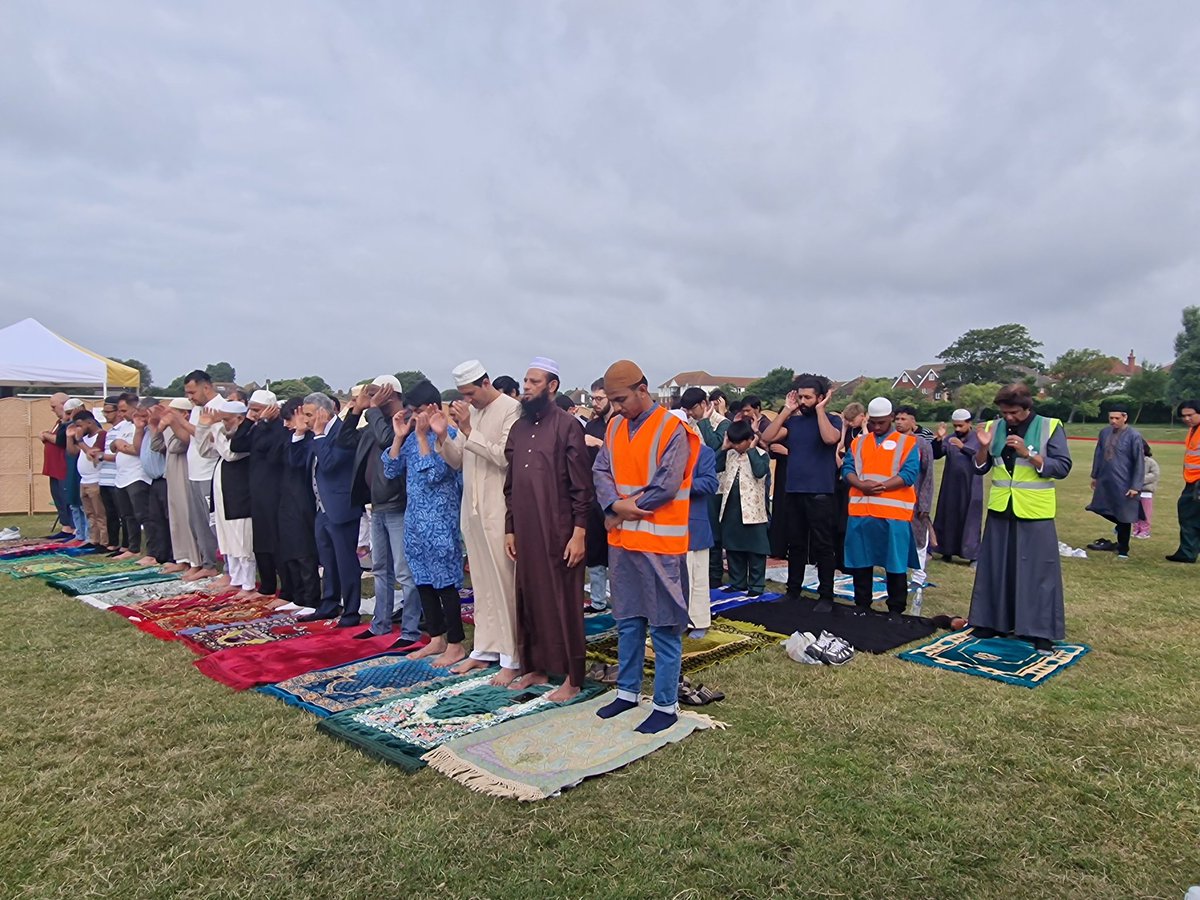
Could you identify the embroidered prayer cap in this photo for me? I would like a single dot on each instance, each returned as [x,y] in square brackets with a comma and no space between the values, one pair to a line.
[391,381]
[73,403]
[622,374]
[182,403]
[545,364]
[264,398]
[233,407]
[880,406]
[469,372]
[961,415]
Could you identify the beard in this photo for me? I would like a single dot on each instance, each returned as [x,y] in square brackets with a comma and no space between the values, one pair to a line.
[535,407]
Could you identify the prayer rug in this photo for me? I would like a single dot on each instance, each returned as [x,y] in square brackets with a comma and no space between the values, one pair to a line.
[134,597]
[423,717]
[724,640]
[720,600]
[163,618]
[598,627]
[279,660]
[368,681]
[50,566]
[1001,659]
[536,758]
[39,548]
[871,632]
[267,630]
[843,586]
[99,584]
[467,612]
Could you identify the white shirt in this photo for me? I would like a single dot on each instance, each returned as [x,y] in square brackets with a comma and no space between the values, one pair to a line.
[89,472]
[129,465]
[199,468]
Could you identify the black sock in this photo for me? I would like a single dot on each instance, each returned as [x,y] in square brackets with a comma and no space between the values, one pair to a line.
[657,721]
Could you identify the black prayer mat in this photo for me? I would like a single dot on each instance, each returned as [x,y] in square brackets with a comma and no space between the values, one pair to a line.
[872,632]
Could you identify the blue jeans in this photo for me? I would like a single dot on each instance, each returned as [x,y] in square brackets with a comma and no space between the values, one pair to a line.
[631,657]
[598,581]
[389,566]
[79,520]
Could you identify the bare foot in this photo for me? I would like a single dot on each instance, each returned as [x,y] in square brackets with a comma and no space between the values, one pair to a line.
[435,647]
[195,574]
[503,678]
[173,568]
[277,602]
[564,692]
[528,681]
[246,594]
[469,665]
[452,654]
[147,561]
[126,555]
[221,581]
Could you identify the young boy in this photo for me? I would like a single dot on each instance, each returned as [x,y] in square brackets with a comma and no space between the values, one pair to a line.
[743,472]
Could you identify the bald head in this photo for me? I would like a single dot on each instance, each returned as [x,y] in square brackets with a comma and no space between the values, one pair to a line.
[56,403]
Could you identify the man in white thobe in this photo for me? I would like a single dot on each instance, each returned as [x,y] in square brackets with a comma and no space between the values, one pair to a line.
[484,417]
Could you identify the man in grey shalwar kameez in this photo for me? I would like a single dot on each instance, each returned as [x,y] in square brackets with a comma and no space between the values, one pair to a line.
[1118,472]
[1018,583]
[959,519]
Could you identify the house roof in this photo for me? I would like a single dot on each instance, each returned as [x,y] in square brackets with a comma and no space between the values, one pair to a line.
[699,376]
[920,373]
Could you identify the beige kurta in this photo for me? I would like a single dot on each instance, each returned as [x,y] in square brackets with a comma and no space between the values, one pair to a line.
[481,459]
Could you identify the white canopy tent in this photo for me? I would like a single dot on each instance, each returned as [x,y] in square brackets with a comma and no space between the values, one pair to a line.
[33,355]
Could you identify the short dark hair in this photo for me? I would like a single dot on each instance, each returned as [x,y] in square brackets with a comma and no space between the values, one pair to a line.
[807,381]
[751,400]
[717,394]
[1193,405]
[112,400]
[597,385]
[506,384]
[739,431]
[1146,451]
[289,407]
[84,415]
[1016,394]
[565,403]
[691,397]
[128,397]
[423,393]
[478,382]
[908,410]
[736,406]
[199,376]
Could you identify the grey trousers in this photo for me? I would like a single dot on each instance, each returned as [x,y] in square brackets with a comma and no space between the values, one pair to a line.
[199,493]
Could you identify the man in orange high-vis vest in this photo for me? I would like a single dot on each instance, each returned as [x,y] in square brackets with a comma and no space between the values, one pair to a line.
[643,479]
[881,469]
[1189,500]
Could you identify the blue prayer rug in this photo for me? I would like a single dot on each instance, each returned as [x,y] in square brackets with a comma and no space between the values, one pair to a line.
[1001,659]
[366,681]
[722,601]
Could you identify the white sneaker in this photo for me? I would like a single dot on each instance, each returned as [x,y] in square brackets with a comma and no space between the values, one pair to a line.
[10,534]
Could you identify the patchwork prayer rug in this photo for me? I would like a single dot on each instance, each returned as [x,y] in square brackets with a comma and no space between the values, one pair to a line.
[368,681]
[403,729]
[871,632]
[171,616]
[135,596]
[99,584]
[724,640]
[38,548]
[52,565]
[1001,659]
[267,630]
[720,600]
[279,660]
[536,758]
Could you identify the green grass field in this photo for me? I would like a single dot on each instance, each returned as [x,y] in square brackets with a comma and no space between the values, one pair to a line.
[126,773]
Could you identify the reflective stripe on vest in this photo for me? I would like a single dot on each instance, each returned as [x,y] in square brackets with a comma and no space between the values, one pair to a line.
[1191,457]
[634,461]
[898,503]
[1033,497]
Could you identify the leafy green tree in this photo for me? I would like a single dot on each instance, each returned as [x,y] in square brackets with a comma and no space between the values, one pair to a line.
[772,387]
[175,388]
[977,397]
[449,395]
[1083,377]
[287,388]
[145,380]
[1147,387]
[1184,383]
[990,355]
[882,387]
[221,371]
[409,377]
[317,383]
[732,391]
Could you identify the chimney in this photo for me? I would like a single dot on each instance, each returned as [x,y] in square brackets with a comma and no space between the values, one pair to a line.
[1132,361]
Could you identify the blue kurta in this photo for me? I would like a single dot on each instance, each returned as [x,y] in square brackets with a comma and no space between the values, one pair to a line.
[432,539]
[882,542]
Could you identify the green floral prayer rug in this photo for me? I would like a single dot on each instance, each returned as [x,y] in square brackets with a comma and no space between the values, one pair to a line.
[724,640]
[1001,659]
[364,682]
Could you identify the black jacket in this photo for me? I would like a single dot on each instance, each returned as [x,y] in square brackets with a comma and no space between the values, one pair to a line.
[369,442]
[262,440]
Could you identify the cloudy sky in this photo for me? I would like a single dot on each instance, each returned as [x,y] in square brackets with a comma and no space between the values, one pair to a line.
[356,187]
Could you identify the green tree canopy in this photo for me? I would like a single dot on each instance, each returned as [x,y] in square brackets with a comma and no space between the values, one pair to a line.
[409,377]
[221,371]
[1184,382]
[990,355]
[145,380]
[977,397]
[1147,387]
[1083,377]
[772,387]
[287,388]
[317,383]
[449,395]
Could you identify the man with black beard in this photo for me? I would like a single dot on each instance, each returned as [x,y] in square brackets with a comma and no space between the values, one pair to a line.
[548,497]
[597,536]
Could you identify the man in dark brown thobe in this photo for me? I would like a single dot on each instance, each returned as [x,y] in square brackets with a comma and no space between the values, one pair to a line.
[548,495]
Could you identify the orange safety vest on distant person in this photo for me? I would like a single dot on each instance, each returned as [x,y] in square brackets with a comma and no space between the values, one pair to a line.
[634,462]
[874,461]
[1191,457]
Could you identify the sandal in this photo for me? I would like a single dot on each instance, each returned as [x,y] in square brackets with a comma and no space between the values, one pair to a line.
[699,696]
[595,671]
[610,675]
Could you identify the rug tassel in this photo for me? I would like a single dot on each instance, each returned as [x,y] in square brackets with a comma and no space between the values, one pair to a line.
[705,721]
[452,765]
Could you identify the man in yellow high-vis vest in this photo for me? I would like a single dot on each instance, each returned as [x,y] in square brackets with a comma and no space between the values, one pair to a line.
[1018,580]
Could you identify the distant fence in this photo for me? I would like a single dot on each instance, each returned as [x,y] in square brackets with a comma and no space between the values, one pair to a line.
[23,489]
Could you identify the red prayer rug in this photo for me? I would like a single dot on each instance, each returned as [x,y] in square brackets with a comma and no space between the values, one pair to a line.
[247,667]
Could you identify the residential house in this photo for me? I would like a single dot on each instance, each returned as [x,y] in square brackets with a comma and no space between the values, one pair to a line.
[670,391]
[927,379]
[1123,369]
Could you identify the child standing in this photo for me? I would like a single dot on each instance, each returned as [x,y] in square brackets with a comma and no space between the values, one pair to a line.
[745,534]
[1141,528]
